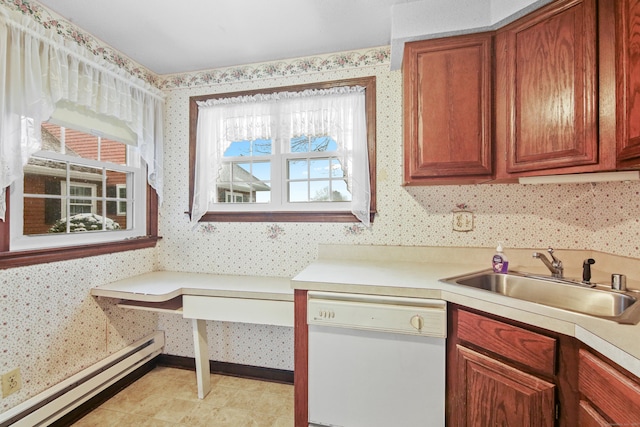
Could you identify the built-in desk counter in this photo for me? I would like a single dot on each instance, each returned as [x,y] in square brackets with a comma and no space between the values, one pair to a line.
[202,297]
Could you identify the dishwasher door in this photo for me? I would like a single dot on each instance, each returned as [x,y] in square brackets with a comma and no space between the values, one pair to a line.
[372,378]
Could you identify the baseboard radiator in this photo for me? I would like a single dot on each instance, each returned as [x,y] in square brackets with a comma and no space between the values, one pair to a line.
[55,402]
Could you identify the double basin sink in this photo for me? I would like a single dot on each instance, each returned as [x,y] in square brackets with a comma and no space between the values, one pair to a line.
[621,307]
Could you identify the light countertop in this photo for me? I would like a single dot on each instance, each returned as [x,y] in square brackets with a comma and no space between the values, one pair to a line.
[161,286]
[417,271]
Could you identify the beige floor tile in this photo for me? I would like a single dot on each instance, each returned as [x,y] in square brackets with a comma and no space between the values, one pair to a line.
[168,397]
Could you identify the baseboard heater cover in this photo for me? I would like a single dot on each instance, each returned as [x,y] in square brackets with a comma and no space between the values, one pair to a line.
[55,402]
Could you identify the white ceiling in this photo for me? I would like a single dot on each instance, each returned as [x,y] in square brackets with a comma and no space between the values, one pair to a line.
[172,37]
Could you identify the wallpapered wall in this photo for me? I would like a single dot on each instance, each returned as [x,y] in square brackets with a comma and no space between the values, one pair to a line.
[604,217]
[52,328]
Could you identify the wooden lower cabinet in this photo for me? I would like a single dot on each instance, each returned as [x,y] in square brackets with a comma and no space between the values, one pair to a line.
[492,393]
[503,373]
[609,396]
[588,416]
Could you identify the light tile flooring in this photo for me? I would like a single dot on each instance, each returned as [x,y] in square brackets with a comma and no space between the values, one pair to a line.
[168,397]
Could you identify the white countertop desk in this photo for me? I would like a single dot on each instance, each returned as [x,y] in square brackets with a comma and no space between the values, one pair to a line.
[202,297]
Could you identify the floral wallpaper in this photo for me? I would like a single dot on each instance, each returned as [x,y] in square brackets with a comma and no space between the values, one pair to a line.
[604,216]
[279,70]
[52,328]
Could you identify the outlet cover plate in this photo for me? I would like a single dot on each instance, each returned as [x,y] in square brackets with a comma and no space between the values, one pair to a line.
[11,382]
[462,221]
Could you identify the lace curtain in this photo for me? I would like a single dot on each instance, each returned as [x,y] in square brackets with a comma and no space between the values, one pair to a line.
[338,113]
[38,68]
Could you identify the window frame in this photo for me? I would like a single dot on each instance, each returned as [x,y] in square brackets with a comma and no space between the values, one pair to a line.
[24,257]
[369,83]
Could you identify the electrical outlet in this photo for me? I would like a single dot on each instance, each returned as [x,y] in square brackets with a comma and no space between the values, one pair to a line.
[11,382]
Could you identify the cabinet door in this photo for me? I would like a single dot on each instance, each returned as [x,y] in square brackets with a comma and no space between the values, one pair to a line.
[614,394]
[547,74]
[589,417]
[491,393]
[628,82]
[447,110]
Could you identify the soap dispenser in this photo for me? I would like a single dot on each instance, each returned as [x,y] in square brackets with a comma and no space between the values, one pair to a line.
[499,262]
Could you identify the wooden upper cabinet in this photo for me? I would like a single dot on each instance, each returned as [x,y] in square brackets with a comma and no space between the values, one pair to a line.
[627,18]
[447,110]
[547,103]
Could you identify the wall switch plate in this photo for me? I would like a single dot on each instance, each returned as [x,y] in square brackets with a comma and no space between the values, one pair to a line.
[11,382]
[462,221]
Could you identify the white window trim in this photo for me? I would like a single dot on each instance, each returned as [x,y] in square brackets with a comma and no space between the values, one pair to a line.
[216,126]
[279,193]
[63,193]
[136,220]
[279,202]
[119,211]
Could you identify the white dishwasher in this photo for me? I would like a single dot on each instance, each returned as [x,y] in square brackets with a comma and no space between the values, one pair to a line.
[376,361]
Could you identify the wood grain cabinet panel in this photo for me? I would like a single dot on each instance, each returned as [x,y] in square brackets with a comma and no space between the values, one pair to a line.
[548,86]
[608,390]
[496,394]
[536,351]
[448,110]
[628,82]
[589,417]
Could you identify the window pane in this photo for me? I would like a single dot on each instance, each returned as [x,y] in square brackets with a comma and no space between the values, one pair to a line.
[113,151]
[51,135]
[85,174]
[225,173]
[319,191]
[339,191]
[297,169]
[238,148]
[117,205]
[242,172]
[319,168]
[262,193]
[262,147]
[323,143]
[336,169]
[262,171]
[300,144]
[80,144]
[222,189]
[298,192]
[39,174]
[84,222]
[40,214]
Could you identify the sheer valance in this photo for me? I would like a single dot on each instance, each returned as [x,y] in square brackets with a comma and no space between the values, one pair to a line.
[39,68]
[338,112]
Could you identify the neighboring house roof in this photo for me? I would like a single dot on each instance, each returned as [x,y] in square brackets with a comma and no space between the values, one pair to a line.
[52,168]
[243,181]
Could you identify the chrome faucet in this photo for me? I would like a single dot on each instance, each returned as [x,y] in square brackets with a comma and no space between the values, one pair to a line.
[555,266]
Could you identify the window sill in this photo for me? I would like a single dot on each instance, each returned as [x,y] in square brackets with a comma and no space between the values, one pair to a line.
[40,256]
[280,217]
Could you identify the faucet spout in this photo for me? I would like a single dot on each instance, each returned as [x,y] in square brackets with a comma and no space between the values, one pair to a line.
[555,266]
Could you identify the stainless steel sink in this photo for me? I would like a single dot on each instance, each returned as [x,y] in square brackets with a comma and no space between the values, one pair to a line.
[618,306]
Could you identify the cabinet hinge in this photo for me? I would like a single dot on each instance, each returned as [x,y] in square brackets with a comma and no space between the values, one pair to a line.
[557,411]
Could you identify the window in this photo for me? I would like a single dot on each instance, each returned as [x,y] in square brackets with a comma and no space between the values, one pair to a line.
[74,192]
[121,190]
[280,159]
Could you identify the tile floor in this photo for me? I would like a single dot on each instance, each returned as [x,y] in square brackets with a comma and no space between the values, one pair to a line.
[168,397]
